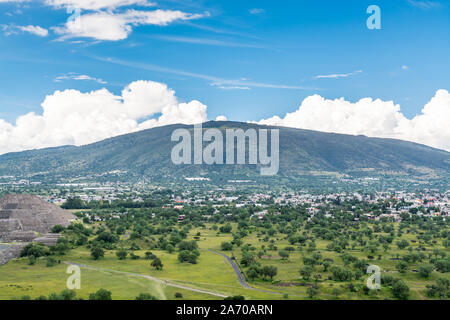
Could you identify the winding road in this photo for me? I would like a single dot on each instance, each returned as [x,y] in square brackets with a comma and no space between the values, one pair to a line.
[235,268]
[242,279]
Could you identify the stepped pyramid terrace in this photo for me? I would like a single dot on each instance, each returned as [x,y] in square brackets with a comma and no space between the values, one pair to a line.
[27,218]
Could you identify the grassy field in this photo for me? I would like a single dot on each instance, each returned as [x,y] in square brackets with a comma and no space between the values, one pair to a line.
[211,273]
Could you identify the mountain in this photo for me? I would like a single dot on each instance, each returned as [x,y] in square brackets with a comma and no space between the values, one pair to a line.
[146,156]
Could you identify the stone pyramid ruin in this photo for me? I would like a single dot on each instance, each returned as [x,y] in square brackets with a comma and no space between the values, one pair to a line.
[28,218]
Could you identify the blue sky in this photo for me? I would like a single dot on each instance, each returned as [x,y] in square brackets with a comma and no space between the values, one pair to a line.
[247,60]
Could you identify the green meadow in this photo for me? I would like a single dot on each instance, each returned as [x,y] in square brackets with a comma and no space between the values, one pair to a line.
[212,272]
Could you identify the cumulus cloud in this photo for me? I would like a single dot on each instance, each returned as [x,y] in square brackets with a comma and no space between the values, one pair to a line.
[106,25]
[221,118]
[72,117]
[373,118]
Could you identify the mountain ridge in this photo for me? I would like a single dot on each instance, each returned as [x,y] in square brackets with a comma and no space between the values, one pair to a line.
[146,154]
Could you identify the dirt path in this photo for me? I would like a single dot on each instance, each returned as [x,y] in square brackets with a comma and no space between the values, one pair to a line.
[165,282]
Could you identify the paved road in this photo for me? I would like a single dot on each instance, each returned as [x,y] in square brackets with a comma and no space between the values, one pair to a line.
[235,268]
[242,279]
[165,282]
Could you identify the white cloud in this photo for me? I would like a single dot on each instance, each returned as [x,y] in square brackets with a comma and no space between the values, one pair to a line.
[102,25]
[221,118]
[34,30]
[13,29]
[338,75]
[81,77]
[374,118]
[405,68]
[96,4]
[74,117]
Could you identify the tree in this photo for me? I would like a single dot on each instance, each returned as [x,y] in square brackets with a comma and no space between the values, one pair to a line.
[68,294]
[341,274]
[400,290]
[188,245]
[443,265]
[336,292]
[226,228]
[35,249]
[247,258]
[146,296]
[327,263]
[252,273]
[122,254]
[170,248]
[441,289]
[402,244]
[134,256]
[235,298]
[312,292]
[50,262]
[97,253]
[101,294]
[57,228]
[31,260]
[402,266]
[149,256]
[187,256]
[226,246]
[306,272]
[107,237]
[425,270]
[283,254]
[157,264]
[73,203]
[61,247]
[269,271]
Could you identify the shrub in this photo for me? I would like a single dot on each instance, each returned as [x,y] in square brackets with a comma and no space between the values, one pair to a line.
[122,254]
[146,296]
[402,266]
[400,290]
[425,270]
[101,294]
[187,256]
[97,253]
[226,246]
[235,298]
[35,249]
[31,260]
[50,262]
[57,229]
